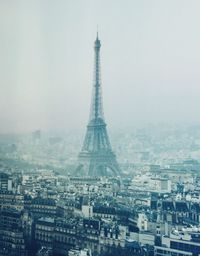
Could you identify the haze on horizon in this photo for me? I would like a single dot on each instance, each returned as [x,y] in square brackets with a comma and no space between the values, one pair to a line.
[150,61]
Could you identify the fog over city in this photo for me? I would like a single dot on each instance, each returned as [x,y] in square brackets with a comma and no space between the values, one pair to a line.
[100,128]
[150,62]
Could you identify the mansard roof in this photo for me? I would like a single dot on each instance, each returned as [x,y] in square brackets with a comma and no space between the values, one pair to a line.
[104,210]
[181,206]
[167,206]
[44,201]
[196,207]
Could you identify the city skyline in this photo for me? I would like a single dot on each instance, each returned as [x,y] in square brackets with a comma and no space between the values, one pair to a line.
[46,63]
[129,188]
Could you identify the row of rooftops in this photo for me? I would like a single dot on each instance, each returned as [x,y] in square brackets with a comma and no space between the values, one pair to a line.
[9,192]
[43,201]
[186,234]
[76,223]
[175,206]
[111,211]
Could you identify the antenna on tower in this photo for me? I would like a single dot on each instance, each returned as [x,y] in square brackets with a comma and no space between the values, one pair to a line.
[97,31]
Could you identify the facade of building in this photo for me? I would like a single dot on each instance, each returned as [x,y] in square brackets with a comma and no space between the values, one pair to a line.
[12,240]
[43,207]
[5,182]
[9,199]
[180,244]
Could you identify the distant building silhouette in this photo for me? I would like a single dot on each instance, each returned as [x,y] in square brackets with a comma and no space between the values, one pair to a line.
[36,135]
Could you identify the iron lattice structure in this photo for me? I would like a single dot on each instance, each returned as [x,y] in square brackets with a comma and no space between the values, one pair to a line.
[96,157]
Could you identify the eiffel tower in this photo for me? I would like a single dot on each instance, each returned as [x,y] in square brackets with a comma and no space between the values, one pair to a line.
[96,157]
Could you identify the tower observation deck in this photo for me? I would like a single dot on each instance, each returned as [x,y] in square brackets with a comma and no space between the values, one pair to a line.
[96,157]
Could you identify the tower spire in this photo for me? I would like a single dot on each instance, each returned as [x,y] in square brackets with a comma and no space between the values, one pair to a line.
[96,110]
[97,32]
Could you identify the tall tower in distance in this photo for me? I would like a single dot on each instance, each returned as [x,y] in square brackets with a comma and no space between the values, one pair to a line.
[96,157]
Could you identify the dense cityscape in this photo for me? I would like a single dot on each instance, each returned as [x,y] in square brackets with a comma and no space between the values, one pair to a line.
[153,209]
[53,203]
[132,190]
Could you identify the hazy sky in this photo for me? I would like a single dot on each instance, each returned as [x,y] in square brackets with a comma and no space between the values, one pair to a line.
[150,59]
